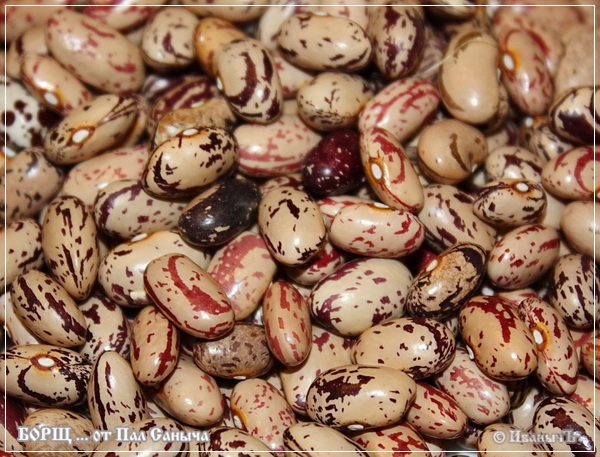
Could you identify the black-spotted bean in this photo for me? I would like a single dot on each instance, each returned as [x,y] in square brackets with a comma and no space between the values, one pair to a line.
[510,203]
[189,162]
[107,328]
[259,408]
[481,398]
[114,397]
[523,255]
[70,245]
[79,425]
[121,272]
[288,207]
[309,437]
[286,317]
[500,342]
[398,36]
[149,436]
[21,241]
[573,116]
[51,84]
[115,65]
[275,149]
[478,101]
[154,346]
[242,353]
[435,413]
[572,175]
[332,100]
[448,218]
[190,395]
[220,213]
[418,346]
[359,397]
[44,375]
[91,128]
[402,107]
[580,225]
[448,151]
[563,416]
[571,290]
[389,171]
[212,34]
[232,442]
[47,309]
[447,281]
[323,42]
[249,81]
[376,230]
[328,350]
[498,440]
[360,294]
[513,162]
[244,269]
[174,279]
[400,439]
[557,358]
[168,39]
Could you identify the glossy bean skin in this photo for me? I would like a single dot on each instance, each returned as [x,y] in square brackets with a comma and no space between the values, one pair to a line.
[418,346]
[244,11]
[435,413]
[510,203]
[400,438]
[328,350]
[244,269]
[22,244]
[478,102]
[443,229]
[250,82]
[190,161]
[571,290]
[572,175]
[92,128]
[502,344]
[495,440]
[121,272]
[31,41]
[542,140]
[310,436]
[16,330]
[581,228]
[481,398]
[524,72]
[275,149]
[262,410]
[557,358]
[231,442]
[574,69]
[589,355]
[560,415]
[211,35]
[447,281]
[398,36]
[107,328]
[48,310]
[45,375]
[329,259]
[376,230]
[389,171]
[207,312]
[116,64]
[32,181]
[448,151]
[289,207]
[19,19]
[377,287]
[513,162]
[286,317]
[358,397]
[220,213]
[572,116]
[332,100]
[123,15]
[51,84]
[190,395]
[402,107]
[154,346]
[70,245]
[123,209]
[325,37]
[114,397]
[240,354]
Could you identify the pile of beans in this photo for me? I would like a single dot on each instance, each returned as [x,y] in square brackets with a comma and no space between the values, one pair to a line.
[299,227]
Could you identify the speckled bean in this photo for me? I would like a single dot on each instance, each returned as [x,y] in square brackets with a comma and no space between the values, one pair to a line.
[573,117]
[211,35]
[21,241]
[498,440]
[309,437]
[513,162]
[580,225]
[572,174]
[400,439]
[231,442]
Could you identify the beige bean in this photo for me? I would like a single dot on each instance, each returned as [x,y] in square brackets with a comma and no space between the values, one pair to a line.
[32,40]
[401,438]
[513,162]
[230,442]
[499,439]
[572,175]
[19,19]
[581,228]
[212,34]
[21,241]
[572,115]
[239,11]
[309,437]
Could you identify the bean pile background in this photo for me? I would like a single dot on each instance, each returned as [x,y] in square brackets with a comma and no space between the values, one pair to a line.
[368,229]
